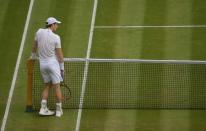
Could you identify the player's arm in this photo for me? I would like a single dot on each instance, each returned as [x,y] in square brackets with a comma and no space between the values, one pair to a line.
[59,55]
[60,58]
[34,50]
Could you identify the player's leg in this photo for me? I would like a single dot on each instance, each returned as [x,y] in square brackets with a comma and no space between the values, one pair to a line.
[45,93]
[56,79]
[59,111]
[44,109]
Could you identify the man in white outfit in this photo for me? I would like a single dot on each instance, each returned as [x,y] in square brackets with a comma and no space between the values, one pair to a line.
[47,45]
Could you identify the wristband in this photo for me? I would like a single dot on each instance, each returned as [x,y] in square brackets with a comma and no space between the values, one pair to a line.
[33,55]
[61,65]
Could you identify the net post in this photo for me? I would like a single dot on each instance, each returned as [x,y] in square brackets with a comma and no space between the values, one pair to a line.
[30,65]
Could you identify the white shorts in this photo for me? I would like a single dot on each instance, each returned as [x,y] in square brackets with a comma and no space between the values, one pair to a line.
[50,71]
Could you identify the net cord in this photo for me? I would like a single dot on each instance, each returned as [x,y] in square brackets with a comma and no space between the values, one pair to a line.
[135,61]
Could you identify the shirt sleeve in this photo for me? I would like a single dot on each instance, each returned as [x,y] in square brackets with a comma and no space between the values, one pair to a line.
[35,38]
[58,42]
[36,35]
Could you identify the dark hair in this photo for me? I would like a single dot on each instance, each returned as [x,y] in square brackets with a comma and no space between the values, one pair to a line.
[47,26]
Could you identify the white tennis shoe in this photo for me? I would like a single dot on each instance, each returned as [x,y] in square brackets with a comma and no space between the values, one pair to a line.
[46,112]
[59,111]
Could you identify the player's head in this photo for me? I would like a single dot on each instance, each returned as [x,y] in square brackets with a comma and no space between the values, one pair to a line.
[52,23]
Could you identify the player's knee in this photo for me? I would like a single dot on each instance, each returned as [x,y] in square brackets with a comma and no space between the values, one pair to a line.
[48,85]
[57,85]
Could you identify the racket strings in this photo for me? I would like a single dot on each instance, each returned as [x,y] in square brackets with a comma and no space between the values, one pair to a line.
[67,91]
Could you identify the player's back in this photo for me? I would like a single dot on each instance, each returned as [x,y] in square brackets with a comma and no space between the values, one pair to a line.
[47,42]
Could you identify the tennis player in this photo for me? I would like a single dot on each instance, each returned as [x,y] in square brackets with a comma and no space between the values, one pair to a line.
[47,46]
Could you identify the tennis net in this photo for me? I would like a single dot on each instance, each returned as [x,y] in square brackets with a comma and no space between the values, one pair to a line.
[127,83]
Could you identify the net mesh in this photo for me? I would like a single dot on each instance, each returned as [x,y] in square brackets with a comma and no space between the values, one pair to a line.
[116,84]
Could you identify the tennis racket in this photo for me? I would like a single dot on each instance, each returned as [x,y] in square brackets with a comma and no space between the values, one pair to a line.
[67,91]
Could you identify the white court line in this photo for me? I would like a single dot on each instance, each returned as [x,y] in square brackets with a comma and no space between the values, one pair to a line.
[151,26]
[17,66]
[86,66]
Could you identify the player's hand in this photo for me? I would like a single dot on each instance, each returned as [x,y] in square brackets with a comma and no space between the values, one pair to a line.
[33,56]
[62,74]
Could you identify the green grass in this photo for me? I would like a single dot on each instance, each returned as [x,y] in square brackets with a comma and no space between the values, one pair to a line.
[12,20]
[74,31]
[143,120]
[149,43]
[164,43]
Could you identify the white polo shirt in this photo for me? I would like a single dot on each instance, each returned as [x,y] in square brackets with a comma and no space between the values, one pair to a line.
[47,42]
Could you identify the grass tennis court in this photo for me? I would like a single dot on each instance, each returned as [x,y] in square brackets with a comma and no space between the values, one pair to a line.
[118,42]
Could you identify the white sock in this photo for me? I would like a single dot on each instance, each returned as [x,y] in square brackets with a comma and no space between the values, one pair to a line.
[59,106]
[43,103]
